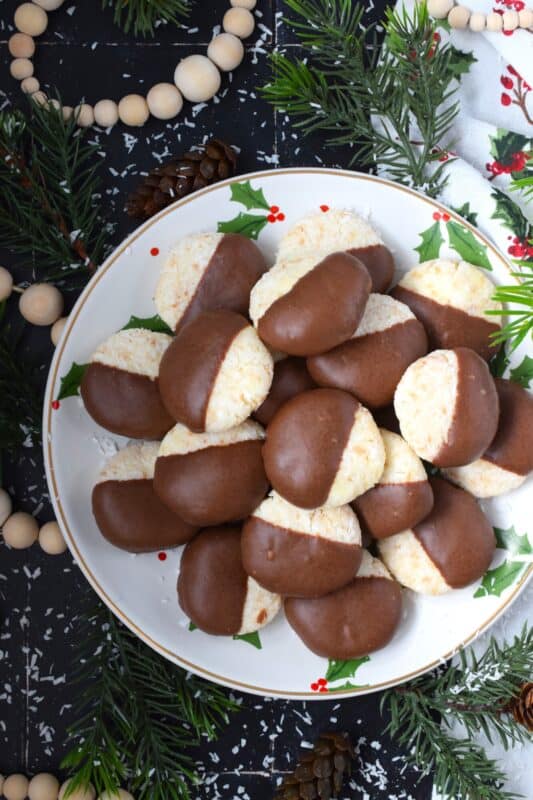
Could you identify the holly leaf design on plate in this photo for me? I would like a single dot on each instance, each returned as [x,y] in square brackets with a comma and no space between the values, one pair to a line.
[251,638]
[460,61]
[496,580]
[510,215]
[192,626]
[155,324]
[499,363]
[70,383]
[430,245]
[249,197]
[249,225]
[516,545]
[465,212]
[505,144]
[523,373]
[343,669]
[467,246]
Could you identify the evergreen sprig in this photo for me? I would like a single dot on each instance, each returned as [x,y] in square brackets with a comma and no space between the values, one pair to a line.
[393,103]
[49,215]
[138,715]
[475,692]
[141,16]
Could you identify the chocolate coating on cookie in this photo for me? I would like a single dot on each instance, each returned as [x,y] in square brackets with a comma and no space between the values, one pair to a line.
[353,621]
[300,553]
[370,364]
[128,512]
[290,378]
[210,479]
[206,272]
[120,387]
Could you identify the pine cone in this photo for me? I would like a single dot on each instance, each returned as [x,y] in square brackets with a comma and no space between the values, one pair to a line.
[320,772]
[522,706]
[179,177]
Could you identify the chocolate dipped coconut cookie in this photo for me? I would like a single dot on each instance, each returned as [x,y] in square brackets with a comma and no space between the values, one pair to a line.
[452,547]
[127,510]
[403,496]
[451,299]
[211,478]
[215,592]
[301,553]
[205,272]
[291,377]
[447,407]
[308,304]
[215,372]
[353,621]
[120,387]
[507,462]
[323,449]
[338,229]
[370,364]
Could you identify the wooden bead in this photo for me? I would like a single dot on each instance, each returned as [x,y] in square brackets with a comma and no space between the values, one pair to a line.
[52,542]
[49,5]
[84,115]
[79,794]
[494,22]
[54,103]
[41,304]
[6,284]
[440,8]
[68,111]
[15,787]
[43,787]
[106,113]
[122,794]
[133,110]
[458,17]
[40,98]
[56,330]
[239,21]
[197,78]
[226,51]
[30,85]
[164,100]
[21,68]
[20,531]
[6,507]
[525,18]
[510,20]
[31,19]
[249,4]
[478,21]
[21,45]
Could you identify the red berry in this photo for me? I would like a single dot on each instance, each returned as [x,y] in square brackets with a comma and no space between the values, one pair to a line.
[322,682]
[512,70]
[446,217]
[55,404]
[517,250]
[162,556]
[271,218]
[274,209]
[527,87]
[280,217]
[519,5]
[154,251]
[431,52]
[324,208]
[497,168]
[505,100]
[314,687]
[507,33]
[437,216]
[323,689]
[506,82]
[436,37]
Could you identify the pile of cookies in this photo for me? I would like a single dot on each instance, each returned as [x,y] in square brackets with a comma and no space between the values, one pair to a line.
[283,429]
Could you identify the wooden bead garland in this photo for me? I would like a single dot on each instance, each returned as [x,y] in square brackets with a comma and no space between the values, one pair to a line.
[41,304]
[45,786]
[20,531]
[15,787]
[197,77]
[460,17]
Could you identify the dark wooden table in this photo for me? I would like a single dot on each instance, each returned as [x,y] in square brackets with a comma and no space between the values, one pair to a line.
[84,55]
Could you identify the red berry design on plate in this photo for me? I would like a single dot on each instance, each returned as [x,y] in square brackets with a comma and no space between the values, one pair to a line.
[324,208]
[505,99]
[320,685]
[280,217]
[274,209]
[445,217]
[437,216]
[271,218]
[154,251]
[55,404]
[162,556]
[506,82]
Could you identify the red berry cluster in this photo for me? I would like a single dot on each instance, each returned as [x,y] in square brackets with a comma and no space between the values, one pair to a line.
[518,163]
[520,248]
[437,216]
[321,685]
[275,215]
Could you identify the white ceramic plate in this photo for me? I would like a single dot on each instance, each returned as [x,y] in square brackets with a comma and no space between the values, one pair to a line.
[141,589]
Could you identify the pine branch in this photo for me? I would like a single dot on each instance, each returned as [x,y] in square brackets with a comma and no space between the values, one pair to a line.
[142,16]
[380,100]
[48,207]
[477,693]
[138,715]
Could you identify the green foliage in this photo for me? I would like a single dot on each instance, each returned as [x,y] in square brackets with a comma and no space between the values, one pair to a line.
[249,197]
[250,638]
[497,580]
[431,243]
[380,100]
[137,715]
[505,144]
[523,373]
[508,539]
[510,214]
[520,310]
[460,62]
[465,212]
[20,396]
[249,225]
[499,363]
[70,383]
[154,323]
[141,16]
[475,692]
[344,669]
[467,246]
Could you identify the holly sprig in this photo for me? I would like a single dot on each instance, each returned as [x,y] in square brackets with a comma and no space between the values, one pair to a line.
[247,224]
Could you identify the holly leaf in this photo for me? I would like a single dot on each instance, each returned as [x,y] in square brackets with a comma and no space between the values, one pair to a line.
[465,212]
[249,197]
[345,686]
[499,363]
[523,373]
[343,669]
[430,245]
[516,545]
[249,225]
[495,581]
[467,246]
[505,144]
[155,324]
[509,214]
[70,383]
[251,638]
[460,62]
[192,626]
